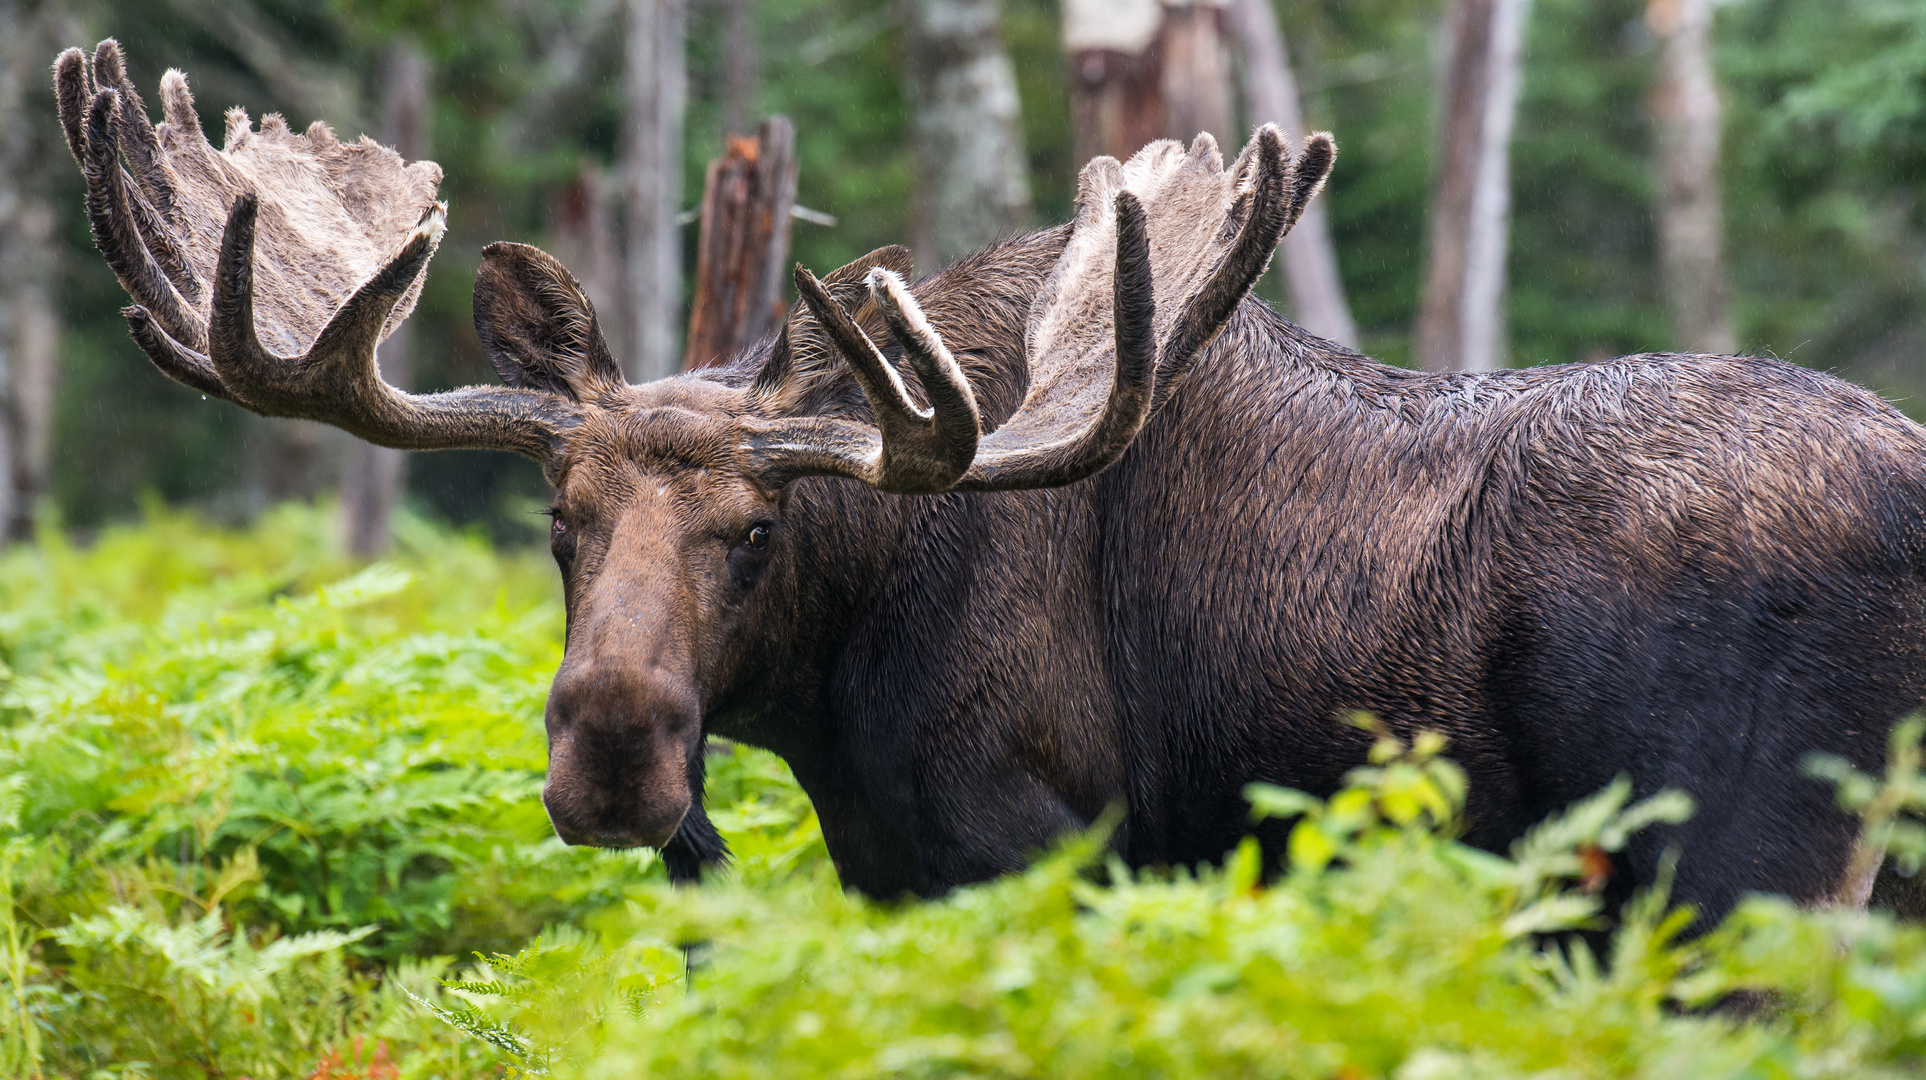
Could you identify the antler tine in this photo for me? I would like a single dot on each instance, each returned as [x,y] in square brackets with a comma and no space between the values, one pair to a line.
[1135,307]
[1097,446]
[954,419]
[1309,172]
[152,197]
[232,342]
[177,105]
[1272,212]
[176,361]
[919,450]
[119,235]
[884,388]
[73,90]
[137,139]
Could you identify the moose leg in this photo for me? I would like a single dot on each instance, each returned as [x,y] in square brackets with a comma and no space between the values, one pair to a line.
[696,842]
[1903,896]
[1862,873]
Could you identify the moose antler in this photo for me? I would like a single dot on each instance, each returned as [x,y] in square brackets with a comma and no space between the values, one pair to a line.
[233,294]
[1168,232]
[1163,249]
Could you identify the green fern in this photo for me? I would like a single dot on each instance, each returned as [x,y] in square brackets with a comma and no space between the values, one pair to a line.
[251,797]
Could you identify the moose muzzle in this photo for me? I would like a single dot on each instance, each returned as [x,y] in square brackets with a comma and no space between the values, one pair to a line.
[618,755]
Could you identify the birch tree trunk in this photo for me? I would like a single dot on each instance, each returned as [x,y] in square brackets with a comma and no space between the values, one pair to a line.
[1685,121]
[29,322]
[1270,96]
[35,356]
[1461,325]
[972,180]
[371,484]
[656,85]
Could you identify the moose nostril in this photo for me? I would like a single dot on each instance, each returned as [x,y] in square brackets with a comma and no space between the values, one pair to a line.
[617,774]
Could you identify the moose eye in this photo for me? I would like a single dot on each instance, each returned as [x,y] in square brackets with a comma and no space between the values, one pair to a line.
[558,528]
[757,539]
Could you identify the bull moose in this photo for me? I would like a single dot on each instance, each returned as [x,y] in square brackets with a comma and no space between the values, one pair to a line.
[1091,527]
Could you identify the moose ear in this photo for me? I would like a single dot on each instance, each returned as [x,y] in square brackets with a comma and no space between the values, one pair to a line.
[803,353]
[538,327]
[855,275]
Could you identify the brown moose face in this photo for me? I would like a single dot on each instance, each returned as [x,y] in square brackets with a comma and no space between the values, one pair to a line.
[661,538]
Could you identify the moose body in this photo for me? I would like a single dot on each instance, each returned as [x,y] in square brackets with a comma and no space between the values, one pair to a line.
[1094,530]
[1691,570]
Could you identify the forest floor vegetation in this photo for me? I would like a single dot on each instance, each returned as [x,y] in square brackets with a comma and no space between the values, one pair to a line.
[267,813]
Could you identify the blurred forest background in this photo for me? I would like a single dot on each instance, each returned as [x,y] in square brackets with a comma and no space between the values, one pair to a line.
[1519,182]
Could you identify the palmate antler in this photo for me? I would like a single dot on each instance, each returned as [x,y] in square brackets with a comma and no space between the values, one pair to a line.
[1163,249]
[267,272]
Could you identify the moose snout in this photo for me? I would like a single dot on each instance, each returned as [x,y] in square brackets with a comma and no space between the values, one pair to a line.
[618,754]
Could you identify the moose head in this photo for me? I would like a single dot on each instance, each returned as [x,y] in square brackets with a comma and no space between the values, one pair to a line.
[266,273]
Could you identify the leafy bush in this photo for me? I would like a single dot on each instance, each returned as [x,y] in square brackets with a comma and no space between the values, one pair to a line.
[365,744]
[264,813]
[1388,949]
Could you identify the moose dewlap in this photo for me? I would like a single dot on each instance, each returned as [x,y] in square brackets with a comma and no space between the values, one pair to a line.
[1089,528]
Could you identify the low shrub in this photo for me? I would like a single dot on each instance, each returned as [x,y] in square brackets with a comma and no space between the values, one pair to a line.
[264,813]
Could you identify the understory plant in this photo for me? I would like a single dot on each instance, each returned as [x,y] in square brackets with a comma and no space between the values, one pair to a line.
[1385,948]
[266,813]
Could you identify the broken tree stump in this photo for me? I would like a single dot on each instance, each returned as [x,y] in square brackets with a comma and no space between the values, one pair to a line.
[744,243]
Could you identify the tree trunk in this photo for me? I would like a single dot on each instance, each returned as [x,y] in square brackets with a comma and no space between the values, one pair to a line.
[1685,121]
[29,322]
[1142,70]
[36,353]
[1196,77]
[741,65]
[744,246]
[371,486]
[1270,96]
[656,78]
[1461,325]
[1116,76]
[972,181]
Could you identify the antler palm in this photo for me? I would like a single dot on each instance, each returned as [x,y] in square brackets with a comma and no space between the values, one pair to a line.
[266,272]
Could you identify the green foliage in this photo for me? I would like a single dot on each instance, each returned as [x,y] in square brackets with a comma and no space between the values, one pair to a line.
[1401,954]
[241,779]
[1825,149]
[265,813]
[366,748]
[228,1002]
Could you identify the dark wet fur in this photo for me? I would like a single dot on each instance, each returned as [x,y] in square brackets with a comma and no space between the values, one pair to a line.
[1692,570]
